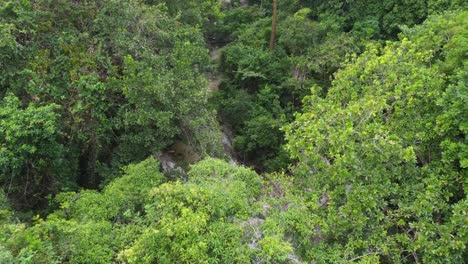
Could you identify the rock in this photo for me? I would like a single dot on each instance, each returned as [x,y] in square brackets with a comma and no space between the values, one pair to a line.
[252,231]
[168,163]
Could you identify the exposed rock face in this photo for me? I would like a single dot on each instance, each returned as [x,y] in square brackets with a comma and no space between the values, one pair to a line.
[227,144]
[252,231]
[176,157]
[168,163]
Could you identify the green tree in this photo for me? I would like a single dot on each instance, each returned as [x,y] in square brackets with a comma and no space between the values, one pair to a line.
[386,165]
[30,155]
[128,78]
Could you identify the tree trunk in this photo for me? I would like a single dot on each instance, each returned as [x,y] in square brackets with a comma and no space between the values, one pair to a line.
[273,25]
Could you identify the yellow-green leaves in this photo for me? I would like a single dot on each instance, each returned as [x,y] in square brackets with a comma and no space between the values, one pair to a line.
[382,151]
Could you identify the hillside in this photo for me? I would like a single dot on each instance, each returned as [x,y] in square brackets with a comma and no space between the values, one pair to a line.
[207,131]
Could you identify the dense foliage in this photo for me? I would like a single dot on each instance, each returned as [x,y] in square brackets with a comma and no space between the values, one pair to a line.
[314,38]
[123,75]
[116,130]
[386,146]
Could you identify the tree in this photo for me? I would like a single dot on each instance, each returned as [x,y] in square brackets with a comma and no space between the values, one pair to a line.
[128,78]
[373,152]
[193,221]
[30,154]
[273,25]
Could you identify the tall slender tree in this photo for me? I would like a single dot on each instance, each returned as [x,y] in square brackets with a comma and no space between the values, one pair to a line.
[273,25]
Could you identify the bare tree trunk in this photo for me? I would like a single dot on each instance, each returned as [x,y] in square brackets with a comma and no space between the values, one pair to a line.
[273,25]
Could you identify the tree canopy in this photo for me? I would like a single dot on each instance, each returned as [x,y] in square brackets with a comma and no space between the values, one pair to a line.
[289,131]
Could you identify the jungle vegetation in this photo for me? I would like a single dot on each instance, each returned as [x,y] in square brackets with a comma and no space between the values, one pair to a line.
[318,131]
